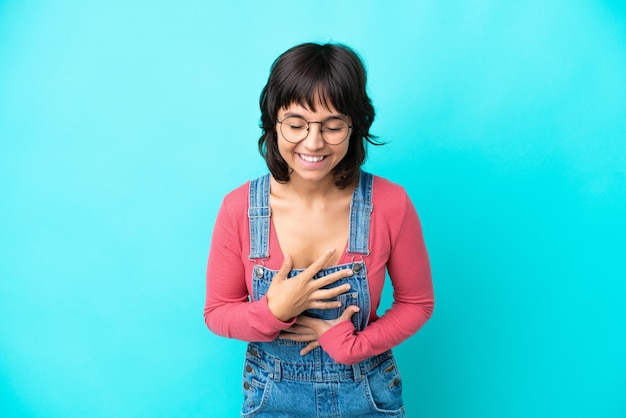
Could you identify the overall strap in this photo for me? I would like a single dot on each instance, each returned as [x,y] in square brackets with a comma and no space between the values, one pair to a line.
[360,213]
[259,217]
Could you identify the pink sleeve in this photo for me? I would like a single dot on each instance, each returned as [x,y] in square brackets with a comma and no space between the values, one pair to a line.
[409,270]
[227,310]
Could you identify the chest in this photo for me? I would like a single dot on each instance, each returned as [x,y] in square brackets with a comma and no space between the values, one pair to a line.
[305,233]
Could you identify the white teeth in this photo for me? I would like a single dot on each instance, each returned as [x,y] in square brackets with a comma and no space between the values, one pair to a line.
[311,159]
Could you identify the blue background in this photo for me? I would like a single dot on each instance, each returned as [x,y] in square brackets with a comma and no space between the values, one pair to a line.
[123,124]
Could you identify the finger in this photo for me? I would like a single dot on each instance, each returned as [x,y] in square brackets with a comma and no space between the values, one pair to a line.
[298,329]
[347,314]
[332,278]
[310,347]
[285,268]
[318,264]
[301,338]
[325,294]
[306,321]
[324,304]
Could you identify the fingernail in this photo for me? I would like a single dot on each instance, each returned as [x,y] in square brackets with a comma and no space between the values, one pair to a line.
[349,272]
[347,287]
[331,250]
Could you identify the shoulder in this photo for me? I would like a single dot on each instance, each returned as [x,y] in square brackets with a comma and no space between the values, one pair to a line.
[237,198]
[393,208]
[388,194]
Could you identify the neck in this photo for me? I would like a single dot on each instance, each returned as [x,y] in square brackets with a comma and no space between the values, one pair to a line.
[306,189]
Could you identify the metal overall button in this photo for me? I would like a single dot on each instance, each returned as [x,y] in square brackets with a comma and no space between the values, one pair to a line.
[357,267]
[258,271]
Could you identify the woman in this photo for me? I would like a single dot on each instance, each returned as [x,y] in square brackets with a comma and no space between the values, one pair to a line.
[298,257]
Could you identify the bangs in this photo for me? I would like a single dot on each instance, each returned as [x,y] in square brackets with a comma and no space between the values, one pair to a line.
[311,98]
[313,80]
[313,75]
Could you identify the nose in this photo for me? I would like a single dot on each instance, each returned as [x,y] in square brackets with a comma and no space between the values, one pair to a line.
[314,139]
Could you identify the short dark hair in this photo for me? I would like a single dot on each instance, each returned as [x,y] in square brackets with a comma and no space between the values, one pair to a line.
[306,74]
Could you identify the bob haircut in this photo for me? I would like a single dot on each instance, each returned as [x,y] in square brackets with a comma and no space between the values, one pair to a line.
[311,74]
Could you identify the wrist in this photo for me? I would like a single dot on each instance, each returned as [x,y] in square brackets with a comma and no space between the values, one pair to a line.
[278,313]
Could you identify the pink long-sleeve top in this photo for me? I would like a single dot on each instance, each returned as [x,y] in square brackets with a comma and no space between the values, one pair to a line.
[396,245]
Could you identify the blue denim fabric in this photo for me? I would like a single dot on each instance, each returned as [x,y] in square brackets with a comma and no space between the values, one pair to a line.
[277,380]
[259,214]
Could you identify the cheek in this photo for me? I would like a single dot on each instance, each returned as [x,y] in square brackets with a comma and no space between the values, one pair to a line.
[284,150]
[341,153]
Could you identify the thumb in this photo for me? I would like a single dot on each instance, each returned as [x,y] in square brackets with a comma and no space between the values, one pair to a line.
[285,268]
[347,314]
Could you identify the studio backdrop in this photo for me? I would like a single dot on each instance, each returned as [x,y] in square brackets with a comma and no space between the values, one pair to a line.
[124,123]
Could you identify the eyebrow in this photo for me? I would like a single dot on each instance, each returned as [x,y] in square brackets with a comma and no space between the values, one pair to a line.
[292,114]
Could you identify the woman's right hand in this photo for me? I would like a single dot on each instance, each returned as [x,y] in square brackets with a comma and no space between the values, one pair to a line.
[288,298]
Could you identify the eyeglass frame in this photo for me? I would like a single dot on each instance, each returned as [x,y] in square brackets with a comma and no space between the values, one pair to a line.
[308,126]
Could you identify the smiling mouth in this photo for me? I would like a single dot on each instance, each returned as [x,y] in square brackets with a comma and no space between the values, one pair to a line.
[312,158]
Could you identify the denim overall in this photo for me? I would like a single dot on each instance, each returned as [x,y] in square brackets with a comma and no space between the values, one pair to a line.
[277,380]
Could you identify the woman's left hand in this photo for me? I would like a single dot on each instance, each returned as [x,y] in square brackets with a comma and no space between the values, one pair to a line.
[307,329]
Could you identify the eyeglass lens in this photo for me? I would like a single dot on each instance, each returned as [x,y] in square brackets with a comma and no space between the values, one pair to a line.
[295,129]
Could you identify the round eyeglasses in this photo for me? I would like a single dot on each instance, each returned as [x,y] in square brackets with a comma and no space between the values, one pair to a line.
[295,129]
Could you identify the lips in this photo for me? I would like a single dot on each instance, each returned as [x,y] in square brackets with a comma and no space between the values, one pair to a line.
[312,158]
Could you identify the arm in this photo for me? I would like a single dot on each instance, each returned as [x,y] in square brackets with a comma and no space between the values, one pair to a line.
[409,269]
[227,311]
